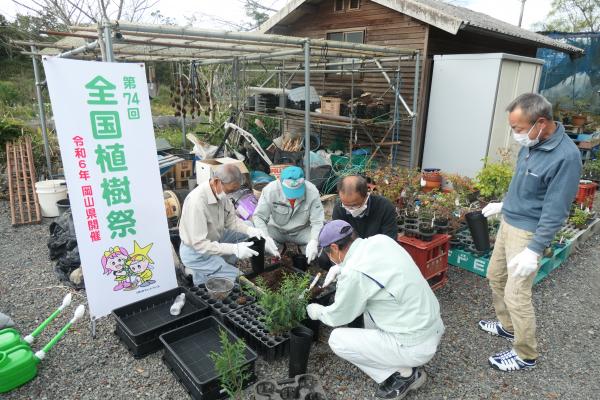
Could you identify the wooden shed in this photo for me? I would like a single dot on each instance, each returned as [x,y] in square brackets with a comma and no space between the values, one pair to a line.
[432,27]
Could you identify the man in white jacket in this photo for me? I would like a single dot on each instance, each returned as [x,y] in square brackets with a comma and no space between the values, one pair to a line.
[379,279]
[290,211]
[212,235]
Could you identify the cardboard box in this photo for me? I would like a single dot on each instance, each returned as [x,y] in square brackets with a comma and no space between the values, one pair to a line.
[328,201]
[204,168]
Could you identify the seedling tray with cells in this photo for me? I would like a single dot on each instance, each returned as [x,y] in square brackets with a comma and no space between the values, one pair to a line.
[273,275]
[139,324]
[247,323]
[187,354]
[305,387]
[236,299]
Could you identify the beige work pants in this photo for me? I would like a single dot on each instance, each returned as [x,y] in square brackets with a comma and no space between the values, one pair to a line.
[511,296]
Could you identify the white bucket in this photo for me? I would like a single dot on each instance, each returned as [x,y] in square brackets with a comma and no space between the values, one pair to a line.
[49,192]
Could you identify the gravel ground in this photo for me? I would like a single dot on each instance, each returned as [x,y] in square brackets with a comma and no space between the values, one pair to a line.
[567,305]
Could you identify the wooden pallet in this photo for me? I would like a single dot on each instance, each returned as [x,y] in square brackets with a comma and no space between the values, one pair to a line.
[24,205]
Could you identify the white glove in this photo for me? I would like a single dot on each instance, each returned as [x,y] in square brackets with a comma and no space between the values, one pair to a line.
[311,250]
[255,232]
[240,250]
[492,209]
[314,311]
[524,264]
[271,247]
[331,275]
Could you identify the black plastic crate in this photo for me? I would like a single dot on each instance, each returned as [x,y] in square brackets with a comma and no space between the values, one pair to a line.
[187,352]
[306,386]
[246,322]
[221,308]
[141,323]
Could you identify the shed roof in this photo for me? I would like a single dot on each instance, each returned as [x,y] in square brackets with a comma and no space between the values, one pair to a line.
[444,16]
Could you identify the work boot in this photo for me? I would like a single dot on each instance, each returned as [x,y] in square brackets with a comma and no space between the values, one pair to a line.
[397,387]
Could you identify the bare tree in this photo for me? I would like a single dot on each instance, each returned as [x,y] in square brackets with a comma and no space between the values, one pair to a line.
[573,16]
[75,12]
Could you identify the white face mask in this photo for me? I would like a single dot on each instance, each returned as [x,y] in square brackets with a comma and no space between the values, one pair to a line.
[357,211]
[221,195]
[523,138]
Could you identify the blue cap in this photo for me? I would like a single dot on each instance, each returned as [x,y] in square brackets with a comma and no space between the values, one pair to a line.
[292,182]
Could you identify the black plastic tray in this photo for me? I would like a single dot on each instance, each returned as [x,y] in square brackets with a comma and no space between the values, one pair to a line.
[246,323]
[139,324]
[221,308]
[304,387]
[187,352]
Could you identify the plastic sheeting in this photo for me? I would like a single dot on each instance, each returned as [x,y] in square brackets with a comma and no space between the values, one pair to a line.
[567,81]
[62,245]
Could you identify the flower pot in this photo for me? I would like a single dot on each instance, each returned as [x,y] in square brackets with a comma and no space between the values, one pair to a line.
[441,225]
[411,230]
[479,230]
[431,179]
[258,262]
[426,231]
[300,262]
[578,120]
[473,196]
[300,340]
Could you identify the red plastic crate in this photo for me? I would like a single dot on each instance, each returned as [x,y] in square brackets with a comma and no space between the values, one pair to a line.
[586,193]
[438,281]
[430,257]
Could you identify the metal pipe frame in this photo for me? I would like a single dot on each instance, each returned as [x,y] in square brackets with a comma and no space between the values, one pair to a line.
[307,109]
[82,49]
[413,133]
[41,110]
[259,38]
[387,78]
[107,37]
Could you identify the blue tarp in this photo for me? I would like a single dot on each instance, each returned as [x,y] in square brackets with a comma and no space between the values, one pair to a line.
[566,81]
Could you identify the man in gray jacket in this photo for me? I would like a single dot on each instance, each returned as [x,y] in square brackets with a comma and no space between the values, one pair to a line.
[538,202]
[290,211]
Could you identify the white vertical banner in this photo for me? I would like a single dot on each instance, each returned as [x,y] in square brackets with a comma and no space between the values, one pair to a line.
[104,126]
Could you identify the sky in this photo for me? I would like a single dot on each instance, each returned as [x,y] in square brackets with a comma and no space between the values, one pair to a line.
[209,12]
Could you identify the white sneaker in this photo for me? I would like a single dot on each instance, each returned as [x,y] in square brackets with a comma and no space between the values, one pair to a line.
[495,328]
[509,361]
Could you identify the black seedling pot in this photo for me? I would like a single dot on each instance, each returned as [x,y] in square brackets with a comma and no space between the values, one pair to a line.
[300,262]
[300,339]
[479,230]
[258,262]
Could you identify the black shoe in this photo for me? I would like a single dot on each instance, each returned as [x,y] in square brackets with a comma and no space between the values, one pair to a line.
[396,387]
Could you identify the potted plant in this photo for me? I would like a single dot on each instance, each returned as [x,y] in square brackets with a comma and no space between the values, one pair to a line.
[493,179]
[591,170]
[431,179]
[444,206]
[464,187]
[286,307]
[579,218]
[580,117]
[426,231]
[231,366]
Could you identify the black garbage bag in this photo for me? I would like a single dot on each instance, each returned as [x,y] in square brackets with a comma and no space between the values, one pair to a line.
[62,246]
[62,236]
